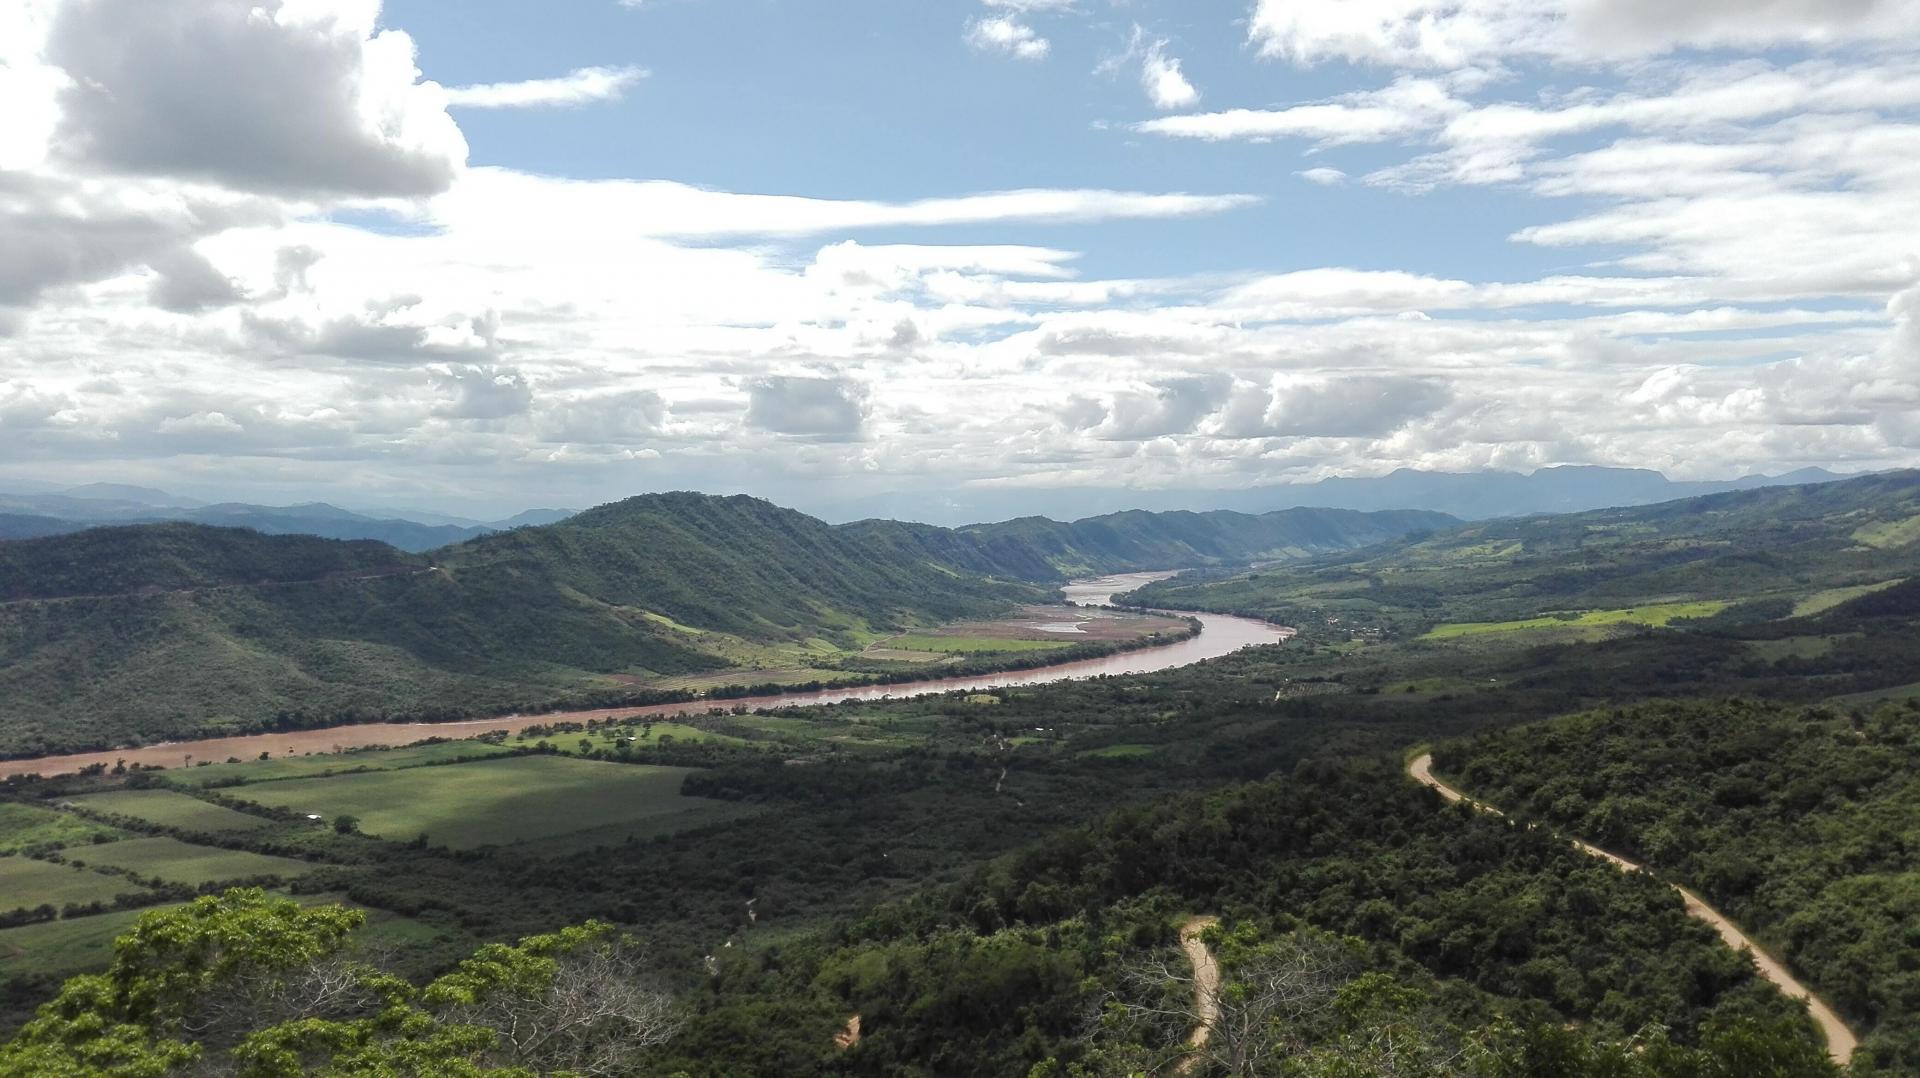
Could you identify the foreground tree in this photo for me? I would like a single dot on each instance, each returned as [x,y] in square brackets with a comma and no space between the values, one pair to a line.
[252,985]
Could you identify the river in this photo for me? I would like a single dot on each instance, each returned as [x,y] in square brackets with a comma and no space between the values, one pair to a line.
[1219,635]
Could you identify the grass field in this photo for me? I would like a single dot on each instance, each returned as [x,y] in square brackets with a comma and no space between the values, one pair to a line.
[168,808]
[77,945]
[495,801]
[1657,614]
[1875,697]
[603,739]
[182,862]
[967,645]
[26,882]
[22,826]
[1889,534]
[295,767]
[61,948]
[1832,597]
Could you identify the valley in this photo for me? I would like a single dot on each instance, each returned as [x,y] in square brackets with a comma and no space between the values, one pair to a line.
[977,860]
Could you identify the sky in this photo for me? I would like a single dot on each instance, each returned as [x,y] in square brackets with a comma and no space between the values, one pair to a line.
[495,254]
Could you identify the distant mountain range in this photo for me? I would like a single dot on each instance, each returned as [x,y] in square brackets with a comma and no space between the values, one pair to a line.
[42,509]
[54,512]
[1467,495]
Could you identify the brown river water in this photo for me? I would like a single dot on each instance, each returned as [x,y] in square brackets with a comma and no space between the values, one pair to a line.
[1219,635]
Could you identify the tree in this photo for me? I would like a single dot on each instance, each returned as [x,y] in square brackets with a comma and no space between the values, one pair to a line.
[344,824]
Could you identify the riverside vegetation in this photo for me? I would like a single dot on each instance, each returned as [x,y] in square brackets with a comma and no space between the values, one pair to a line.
[993,883]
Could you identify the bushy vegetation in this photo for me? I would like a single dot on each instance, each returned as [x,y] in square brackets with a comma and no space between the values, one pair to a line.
[1803,825]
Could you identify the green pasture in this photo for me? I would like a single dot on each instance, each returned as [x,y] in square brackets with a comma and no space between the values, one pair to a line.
[183,862]
[294,767]
[491,802]
[79,944]
[170,808]
[968,645]
[1887,534]
[1655,615]
[1821,601]
[27,882]
[23,826]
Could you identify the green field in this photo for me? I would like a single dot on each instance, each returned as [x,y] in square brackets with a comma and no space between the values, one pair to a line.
[497,801]
[182,862]
[79,944]
[23,826]
[27,882]
[168,808]
[297,767]
[968,645]
[1892,533]
[608,739]
[1655,615]
[1821,601]
[60,948]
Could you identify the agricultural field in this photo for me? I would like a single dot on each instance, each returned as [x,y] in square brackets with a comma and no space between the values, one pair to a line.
[182,862]
[498,802]
[1827,599]
[27,882]
[63,947]
[294,767]
[1887,534]
[78,944]
[971,645]
[26,826]
[1655,615]
[170,809]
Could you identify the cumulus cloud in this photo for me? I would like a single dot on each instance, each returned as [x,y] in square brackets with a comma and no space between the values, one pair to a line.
[831,409]
[303,97]
[1007,35]
[1462,33]
[1357,406]
[579,87]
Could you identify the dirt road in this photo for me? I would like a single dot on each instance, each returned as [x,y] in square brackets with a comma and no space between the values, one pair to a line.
[1840,1040]
[1206,988]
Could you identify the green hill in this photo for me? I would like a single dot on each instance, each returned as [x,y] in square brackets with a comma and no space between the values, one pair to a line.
[1754,554]
[1036,548]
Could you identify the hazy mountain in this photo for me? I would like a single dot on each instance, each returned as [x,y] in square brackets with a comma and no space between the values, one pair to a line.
[1468,495]
[24,526]
[113,503]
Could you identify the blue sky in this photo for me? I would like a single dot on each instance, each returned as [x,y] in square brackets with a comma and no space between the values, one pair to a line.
[488,255]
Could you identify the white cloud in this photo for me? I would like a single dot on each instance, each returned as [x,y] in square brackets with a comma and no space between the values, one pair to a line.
[1325,177]
[504,202]
[1451,34]
[1405,108]
[303,98]
[1167,87]
[1006,34]
[579,87]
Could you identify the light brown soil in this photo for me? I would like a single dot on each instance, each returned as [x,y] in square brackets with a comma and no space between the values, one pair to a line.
[1206,988]
[1840,1040]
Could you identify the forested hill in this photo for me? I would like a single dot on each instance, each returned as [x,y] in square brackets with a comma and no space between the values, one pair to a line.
[1036,548]
[735,564]
[173,557]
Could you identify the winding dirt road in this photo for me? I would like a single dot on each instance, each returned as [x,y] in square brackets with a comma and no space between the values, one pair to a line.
[1840,1040]
[1206,988]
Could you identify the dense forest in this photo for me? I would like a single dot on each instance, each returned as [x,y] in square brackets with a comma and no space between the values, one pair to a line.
[1802,824]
